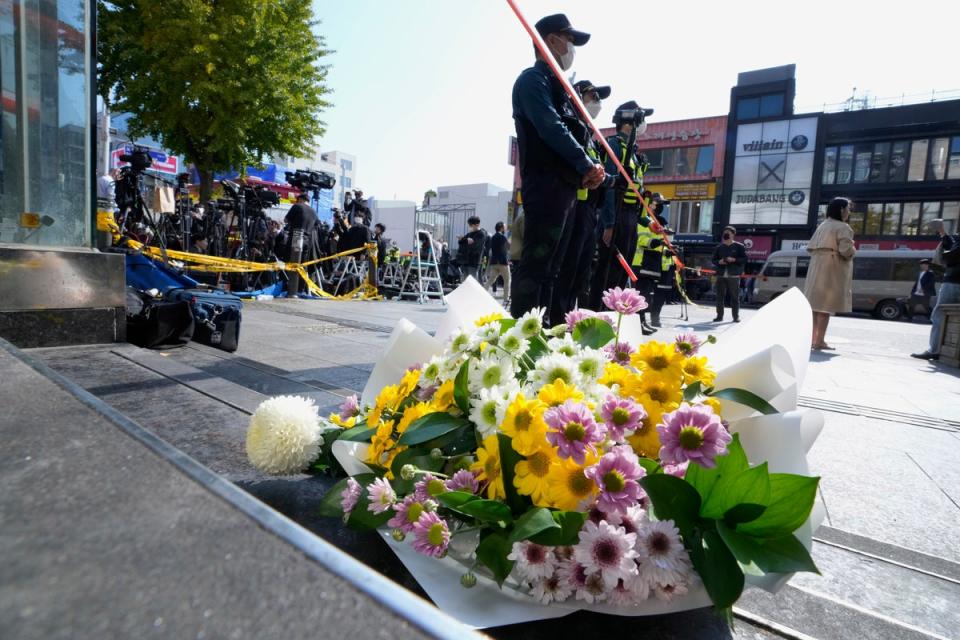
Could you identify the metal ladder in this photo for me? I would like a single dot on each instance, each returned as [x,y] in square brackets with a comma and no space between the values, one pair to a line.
[425,272]
[349,267]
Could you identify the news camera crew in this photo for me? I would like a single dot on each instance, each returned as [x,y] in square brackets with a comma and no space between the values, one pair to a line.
[574,277]
[621,210]
[471,247]
[553,165]
[301,220]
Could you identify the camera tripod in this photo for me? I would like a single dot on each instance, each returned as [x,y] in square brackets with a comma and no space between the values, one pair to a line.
[133,209]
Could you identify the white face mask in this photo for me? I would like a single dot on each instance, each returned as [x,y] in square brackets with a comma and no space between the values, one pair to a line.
[358,221]
[593,108]
[566,60]
[641,128]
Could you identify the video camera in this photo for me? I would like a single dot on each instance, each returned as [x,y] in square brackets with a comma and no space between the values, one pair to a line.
[309,180]
[139,159]
[633,116]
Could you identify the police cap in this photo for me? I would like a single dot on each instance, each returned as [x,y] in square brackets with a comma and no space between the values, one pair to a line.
[633,106]
[585,86]
[559,23]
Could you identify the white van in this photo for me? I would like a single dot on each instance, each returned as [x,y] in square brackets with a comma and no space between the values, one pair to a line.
[879,277]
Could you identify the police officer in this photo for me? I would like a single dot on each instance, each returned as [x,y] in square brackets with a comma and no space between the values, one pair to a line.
[621,208]
[574,278]
[648,259]
[553,165]
[668,270]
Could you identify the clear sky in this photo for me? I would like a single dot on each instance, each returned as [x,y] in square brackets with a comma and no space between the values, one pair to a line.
[422,87]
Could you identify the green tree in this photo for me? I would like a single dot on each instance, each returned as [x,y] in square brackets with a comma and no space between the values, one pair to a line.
[222,82]
[427,196]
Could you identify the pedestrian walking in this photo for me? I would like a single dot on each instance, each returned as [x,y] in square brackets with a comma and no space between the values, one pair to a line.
[498,266]
[947,256]
[729,258]
[470,248]
[829,284]
[923,290]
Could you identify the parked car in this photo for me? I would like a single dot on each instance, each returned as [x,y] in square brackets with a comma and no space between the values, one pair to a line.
[879,278]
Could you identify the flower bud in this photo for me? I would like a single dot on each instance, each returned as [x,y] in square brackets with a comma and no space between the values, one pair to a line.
[408,472]
[468,580]
[398,535]
[436,454]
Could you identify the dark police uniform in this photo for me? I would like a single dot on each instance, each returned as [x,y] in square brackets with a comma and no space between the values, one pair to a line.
[552,165]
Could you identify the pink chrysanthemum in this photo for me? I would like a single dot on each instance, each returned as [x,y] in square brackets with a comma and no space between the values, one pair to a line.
[687,344]
[619,352]
[382,495]
[533,561]
[692,433]
[431,535]
[630,592]
[660,552]
[625,301]
[616,475]
[406,514]
[463,480]
[553,588]
[669,591]
[586,586]
[425,393]
[350,408]
[350,495]
[428,487]
[631,520]
[678,470]
[572,430]
[621,416]
[606,550]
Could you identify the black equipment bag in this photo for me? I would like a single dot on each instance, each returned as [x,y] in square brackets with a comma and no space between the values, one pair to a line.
[216,316]
[157,323]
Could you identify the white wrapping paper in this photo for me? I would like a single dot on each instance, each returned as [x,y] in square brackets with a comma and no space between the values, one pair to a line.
[768,356]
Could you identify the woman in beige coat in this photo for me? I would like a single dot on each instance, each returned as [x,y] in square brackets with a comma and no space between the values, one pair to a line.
[829,285]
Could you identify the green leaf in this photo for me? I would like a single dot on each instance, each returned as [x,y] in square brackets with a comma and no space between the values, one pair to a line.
[492,553]
[362,519]
[531,523]
[593,332]
[692,391]
[461,392]
[430,426]
[744,397]
[486,510]
[743,513]
[747,487]
[460,440]
[508,461]
[791,499]
[650,466]
[330,502]
[569,532]
[759,556]
[454,499]
[506,324]
[731,463]
[673,499]
[717,567]
[358,433]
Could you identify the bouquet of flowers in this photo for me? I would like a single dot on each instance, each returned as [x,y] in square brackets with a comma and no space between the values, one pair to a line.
[567,466]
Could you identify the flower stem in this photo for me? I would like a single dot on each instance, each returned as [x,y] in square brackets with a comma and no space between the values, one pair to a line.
[616,340]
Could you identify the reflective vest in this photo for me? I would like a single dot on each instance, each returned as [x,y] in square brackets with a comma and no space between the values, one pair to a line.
[644,236]
[583,194]
[635,171]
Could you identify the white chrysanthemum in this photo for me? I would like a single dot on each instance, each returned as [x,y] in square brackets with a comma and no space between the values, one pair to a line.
[660,552]
[590,364]
[489,333]
[606,550]
[587,587]
[514,343]
[553,367]
[284,435]
[490,371]
[487,409]
[632,520]
[530,324]
[630,592]
[553,588]
[460,342]
[431,370]
[449,368]
[533,561]
[564,345]
[670,590]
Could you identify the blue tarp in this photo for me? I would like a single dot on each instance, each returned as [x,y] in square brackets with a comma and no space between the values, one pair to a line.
[145,274]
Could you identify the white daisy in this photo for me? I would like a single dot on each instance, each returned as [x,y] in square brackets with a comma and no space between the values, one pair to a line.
[660,552]
[514,343]
[553,588]
[564,345]
[590,363]
[553,367]
[530,324]
[431,370]
[461,341]
[449,368]
[490,371]
[489,332]
[533,561]
[487,409]
[606,550]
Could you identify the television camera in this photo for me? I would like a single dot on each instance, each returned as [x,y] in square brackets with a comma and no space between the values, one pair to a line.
[310,180]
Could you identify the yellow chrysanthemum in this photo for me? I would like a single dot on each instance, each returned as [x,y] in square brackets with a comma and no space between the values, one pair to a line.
[487,467]
[657,357]
[614,373]
[558,392]
[340,422]
[381,442]
[532,475]
[567,486]
[388,399]
[713,403]
[487,319]
[443,397]
[523,421]
[695,369]
[664,389]
[645,440]
[408,383]
[411,413]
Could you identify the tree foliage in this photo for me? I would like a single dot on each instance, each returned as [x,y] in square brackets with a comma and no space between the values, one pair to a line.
[222,82]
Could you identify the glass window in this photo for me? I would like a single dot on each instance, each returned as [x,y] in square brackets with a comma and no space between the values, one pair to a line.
[748,108]
[898,161]
[891,218]
[951,216]
[803,264]
[881,156]
[686,160]
[856,218]
[705,159]
[953,170]
[918,160]
[928,211]
[872,268]
[911,219]
[821,213]
[346,165]
[829,165]
[669,162]
[655,158]
[873,219]
[778,269]
[845,164]
[771,105]
[347,182]
[937,169]
[863,156]
[706,217]
[905,270]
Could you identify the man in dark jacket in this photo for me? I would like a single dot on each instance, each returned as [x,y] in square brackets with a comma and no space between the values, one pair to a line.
[948,255]
[729,258]
[553,165]
[923,290]
[470,248]
[498,267]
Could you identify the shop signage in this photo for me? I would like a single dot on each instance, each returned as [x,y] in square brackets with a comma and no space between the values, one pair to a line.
[695,190]
[162,162]
[513,154]
[683,135]
[758,247]
[794,245]
[692,238]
